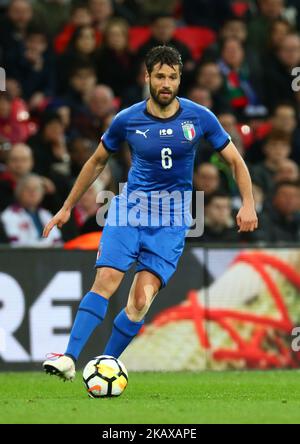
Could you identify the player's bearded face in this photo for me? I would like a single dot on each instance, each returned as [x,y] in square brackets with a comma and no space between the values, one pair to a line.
[164,84]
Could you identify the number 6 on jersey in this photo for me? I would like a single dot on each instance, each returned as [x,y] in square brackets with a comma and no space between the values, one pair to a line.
[166,159]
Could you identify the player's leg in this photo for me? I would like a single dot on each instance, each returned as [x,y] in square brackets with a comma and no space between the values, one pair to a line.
[130,320]
[90,314]
[160,250]
[92,309]
[117,251]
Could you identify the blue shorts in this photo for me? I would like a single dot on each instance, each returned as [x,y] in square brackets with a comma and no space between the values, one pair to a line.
[156,249]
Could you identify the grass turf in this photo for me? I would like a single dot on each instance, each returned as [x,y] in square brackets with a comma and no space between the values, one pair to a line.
[155,398]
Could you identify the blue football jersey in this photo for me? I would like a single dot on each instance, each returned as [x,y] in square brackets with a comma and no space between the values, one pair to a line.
[163,149]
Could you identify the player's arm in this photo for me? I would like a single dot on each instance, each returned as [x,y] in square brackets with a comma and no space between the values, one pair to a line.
[246,217]
[89,173]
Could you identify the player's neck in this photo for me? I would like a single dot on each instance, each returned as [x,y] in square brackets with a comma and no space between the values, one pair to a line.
[163,112]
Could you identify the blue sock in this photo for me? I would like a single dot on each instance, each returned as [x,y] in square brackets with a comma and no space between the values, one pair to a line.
[91,312]
[124,330]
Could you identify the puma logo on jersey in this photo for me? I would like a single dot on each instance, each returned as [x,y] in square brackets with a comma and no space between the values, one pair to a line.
[143,133]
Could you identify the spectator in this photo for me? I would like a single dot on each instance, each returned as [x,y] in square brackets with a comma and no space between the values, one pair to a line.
[52,13]
[87,208]
[208,75]
[283,120]
[131,10]
[24,222]
[283,216]
[13,30]
[101,11]
[82,83]
[276,149]
[49,147]
[229,123]
[278,75]
[19,164]
[201,95]
[279,29]
[259,198]
[287,170]
[207,179]
[151,8]
[59,106]
[208,13]
[80,150]
[81,51]
[261,233]
[34,69]
[115,61]
[219,224]
[233,28]
[242,88]
[139,90]
[162,33]
[100,111]
[80,16]
[207,154]
[14,119]
[259,27]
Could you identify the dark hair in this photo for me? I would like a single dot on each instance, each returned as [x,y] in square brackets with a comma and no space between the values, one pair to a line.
[224,42]
[5,95]
[218,194]
[78,5]
[165,55]
[37,29]
[234,18]
[80,67]
[158,16]
[286,183]
[277,135]
[283,21]
[49,117]
[77,35]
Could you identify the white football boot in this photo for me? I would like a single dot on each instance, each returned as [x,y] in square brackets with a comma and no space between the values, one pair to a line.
[62,366]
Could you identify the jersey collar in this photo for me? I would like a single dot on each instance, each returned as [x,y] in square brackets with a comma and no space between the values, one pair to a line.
[162,119]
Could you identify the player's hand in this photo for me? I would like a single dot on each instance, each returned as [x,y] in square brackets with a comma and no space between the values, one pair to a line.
[247,219]
[58,220]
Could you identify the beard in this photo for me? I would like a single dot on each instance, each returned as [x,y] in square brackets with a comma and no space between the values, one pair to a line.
[160,99]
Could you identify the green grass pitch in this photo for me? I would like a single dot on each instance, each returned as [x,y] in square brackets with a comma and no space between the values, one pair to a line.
[155,398]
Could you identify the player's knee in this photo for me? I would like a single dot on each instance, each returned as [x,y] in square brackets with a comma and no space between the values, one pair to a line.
[138,306]
[140,302]
[106,282]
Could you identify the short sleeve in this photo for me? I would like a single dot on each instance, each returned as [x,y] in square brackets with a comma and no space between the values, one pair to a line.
[214,132]
[115,133]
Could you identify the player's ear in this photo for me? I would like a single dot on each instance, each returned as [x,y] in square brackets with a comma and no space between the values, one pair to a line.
[147,77]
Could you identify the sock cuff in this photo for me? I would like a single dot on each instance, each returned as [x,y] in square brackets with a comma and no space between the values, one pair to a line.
[95,304]
[126,326]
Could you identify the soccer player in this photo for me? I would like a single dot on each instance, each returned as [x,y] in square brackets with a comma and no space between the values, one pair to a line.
[163,133]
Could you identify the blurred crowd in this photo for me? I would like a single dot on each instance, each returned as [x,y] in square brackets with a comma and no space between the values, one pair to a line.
[72,65]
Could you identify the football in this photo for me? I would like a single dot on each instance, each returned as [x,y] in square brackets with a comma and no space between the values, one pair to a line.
[105,376]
